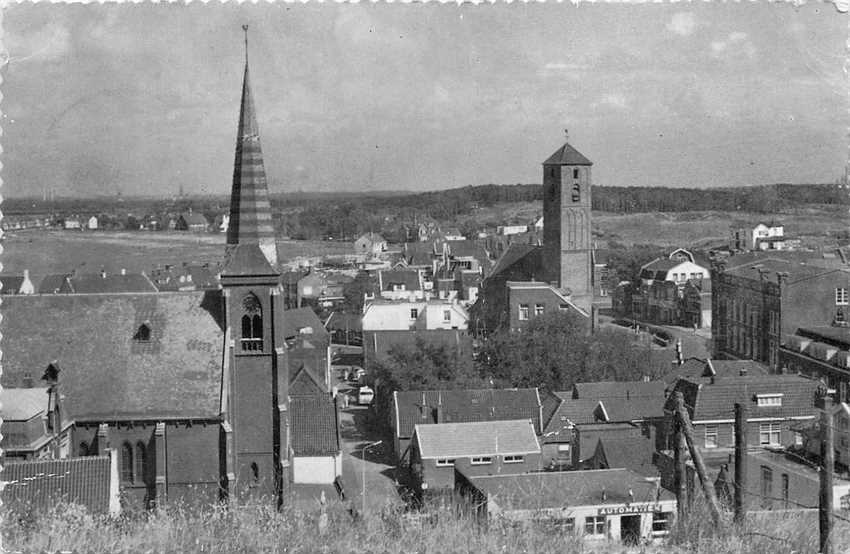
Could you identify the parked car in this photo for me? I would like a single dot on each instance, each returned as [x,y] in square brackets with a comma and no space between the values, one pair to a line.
[365,395]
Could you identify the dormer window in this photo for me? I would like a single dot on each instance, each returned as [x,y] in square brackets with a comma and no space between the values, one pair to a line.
[767,400]
[143,333]
[252,324]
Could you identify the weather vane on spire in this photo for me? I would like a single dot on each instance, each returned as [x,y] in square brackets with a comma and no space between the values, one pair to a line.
[245,28]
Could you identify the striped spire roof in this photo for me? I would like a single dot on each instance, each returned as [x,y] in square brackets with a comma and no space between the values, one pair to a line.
[250,212]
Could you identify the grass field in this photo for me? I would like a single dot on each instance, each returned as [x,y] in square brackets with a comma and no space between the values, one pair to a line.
[44,252]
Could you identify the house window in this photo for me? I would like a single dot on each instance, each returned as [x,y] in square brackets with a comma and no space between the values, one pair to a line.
[769,433]
[127,462]
[84,449]
[785,489]
[841,298]
[594,525]
[514,459]
[538,309]
[414,313]
[481,460]
[711,436]
[766,485]
[660,523]
[798,438]
[140,462]
[252,323]
[766,400]
[523,312]
[563,451]
[445,463]
[447,316]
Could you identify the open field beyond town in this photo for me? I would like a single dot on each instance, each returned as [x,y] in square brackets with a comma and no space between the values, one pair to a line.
[44,252]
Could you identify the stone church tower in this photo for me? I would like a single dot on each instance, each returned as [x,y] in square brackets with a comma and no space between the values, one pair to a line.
[566,224]
[250,212]
[255,387]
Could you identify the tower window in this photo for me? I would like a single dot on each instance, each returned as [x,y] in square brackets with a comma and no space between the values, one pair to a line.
[575,173]
[252,324]
[255,474]
[576,192]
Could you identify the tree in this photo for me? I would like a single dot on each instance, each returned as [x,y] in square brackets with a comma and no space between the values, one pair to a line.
[555,351]
[355,290]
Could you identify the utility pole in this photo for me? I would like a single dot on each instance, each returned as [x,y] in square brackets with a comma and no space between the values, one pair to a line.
[696,456]
[827,468]
[740,463]
[679,470]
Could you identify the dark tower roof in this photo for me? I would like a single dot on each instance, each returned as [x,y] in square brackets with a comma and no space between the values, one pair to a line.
[567,155]
[250,212]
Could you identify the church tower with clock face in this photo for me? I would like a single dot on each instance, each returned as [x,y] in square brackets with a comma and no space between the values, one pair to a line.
[566,224]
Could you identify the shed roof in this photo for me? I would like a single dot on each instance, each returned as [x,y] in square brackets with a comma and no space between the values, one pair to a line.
[315,429]
[40,484]
[479,438]
[532,491]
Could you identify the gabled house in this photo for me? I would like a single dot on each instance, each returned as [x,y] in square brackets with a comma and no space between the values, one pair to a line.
[370,244]
[401,284]
[316,452]
[192,221]
[473,448]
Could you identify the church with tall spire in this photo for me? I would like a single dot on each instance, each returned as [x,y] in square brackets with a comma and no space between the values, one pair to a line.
[250,211]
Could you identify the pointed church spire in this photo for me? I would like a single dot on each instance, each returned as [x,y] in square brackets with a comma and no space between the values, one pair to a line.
[250,212]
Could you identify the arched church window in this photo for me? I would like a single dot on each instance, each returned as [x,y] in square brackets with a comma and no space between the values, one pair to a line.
[255,474]
[141,461]
[252,323]
[127,462]
[576,192]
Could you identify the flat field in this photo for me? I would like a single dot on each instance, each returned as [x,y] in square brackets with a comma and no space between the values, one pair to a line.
[44,252]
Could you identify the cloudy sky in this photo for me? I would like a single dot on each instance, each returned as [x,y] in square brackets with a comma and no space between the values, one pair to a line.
[143,98]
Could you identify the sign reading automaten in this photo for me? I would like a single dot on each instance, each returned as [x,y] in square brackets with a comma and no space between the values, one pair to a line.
[628,509]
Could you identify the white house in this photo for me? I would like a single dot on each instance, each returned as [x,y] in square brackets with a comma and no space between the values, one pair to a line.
[370,244]
[403,315]
[768,236]
[679,267]
[511,229]
[92,223]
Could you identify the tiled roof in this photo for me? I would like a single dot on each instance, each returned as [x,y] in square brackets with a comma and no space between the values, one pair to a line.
[634,453]
[696,368]
[464,406]
[569,412]
[708,401]
[296,319]
[185,277]
[108,373]
[661,265]
[797,271]
[567,155]
[480,438]
[303,381]
[97,283]
[194,218]
[315,431]
[533,491]
[619,389]
[21,404]
[41,484]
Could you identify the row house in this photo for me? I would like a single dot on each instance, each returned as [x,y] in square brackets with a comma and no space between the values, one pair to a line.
[756,302]
[415,408]
[777,405]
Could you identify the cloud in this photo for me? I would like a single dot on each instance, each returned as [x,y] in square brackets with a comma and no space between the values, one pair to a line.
[52,41]
[737,42]
[615,100]
[682,23]
[562,69]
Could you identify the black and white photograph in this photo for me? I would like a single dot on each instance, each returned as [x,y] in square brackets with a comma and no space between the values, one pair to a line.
[387,277]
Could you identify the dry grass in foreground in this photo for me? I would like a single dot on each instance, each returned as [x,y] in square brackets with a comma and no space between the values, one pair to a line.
[263,529]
